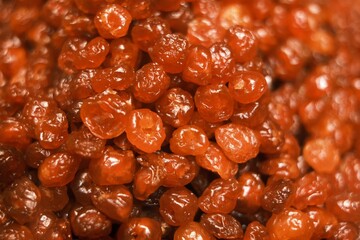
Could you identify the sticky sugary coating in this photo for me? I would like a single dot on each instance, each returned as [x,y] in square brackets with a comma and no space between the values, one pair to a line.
[179,119]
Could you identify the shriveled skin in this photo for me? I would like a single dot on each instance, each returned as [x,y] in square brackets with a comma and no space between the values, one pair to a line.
[179,119]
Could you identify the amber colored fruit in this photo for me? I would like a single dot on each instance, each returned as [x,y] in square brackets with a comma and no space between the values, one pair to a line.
[119,78]
[145,33]
[58,170]
[139,9]
[52,131]
[170,51]
[83,143]
[82,187]
[146,181]
[12,165]
[311,190]
[34,111]
[251,193]
[15,231]
[179,170]
[324,222]
[139,228]
[220,196]
[175,107]
[322,155]
[22,200]
[105,114]
[256,230]
[122,52]
[242,43]
[54,198]
[189,140]
[145,130]
[192,230]
[345,206]
[271,137]
[290,58]
[43,224]
[197,66]
[35,155]
[238,142]
[113,168]
[87,221]
[167,5]
[223,63]
[116,202]
[112,21]
[214,103]
[202,31]
[350,167]
[282,167]
[150,83]
[345,230]
[247,87]
[77,54]
[209,128]
[290,224]
[215,160]
[234,14]
[13,132]
[178,206]
[222,226]
[252,114]
[277,195]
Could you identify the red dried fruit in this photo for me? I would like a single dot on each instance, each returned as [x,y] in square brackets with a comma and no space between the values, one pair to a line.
[22,200]
[247,87]
[143,228]
[325,223]
[89,222]
[251,193]
[311,190]
[242,43]
[256,230]
[192,230]
[222,226]
[238,142]
[150,83]
[178,206]
[145,130]
[12,165]
[58,170]
[189,140]
[116,202]
[345,206]
[223,63]
[220,196]
[214,103]
[175,107]
[146,32]
[170,51]
[119,77]
[15,231]
[290,224]
[83,143]
[105,114]
[215,160]
[112,21]
[322,155]
[113,168]
[277,195]
[197,66]
[54,198]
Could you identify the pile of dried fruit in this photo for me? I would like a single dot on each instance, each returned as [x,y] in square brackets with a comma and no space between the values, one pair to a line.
[169,119]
